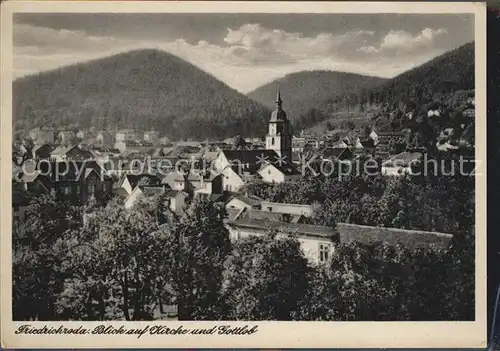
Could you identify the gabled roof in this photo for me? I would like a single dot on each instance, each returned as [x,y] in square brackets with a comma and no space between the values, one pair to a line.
[333,152]
[249,199]
[249,160]
[134,179]
[170,178]
[61,150]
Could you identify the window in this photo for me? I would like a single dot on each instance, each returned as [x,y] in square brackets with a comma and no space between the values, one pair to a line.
[324,251]
[91,189]
[272,141]
[270,209]
[78,189]
[66,190]
[269,171]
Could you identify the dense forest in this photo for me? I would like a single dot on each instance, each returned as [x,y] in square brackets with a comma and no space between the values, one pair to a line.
[153,89]
[368,100]
[140,89]
[302,92]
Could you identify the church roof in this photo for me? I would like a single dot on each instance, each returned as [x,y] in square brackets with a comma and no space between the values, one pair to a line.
[278,115]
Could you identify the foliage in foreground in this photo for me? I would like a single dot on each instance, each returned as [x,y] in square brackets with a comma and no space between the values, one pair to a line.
[107,263]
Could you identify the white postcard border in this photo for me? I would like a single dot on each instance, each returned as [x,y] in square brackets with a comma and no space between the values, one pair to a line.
[270,334]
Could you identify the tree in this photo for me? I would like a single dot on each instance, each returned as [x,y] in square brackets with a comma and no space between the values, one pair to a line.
[200,243]
[37,267]
[266,278]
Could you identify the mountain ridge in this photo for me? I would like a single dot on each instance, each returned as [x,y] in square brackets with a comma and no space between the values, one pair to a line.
[140,89]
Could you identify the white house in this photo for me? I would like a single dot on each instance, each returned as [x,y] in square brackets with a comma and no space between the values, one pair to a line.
[317,242]
[276,173]
[243,201]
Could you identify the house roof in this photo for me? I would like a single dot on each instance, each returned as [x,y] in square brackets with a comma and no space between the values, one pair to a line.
[61,150]
[368,143]
[121,192]
[29,177]
[267,216]
[249,160]
[334,152]
[170,179]
[393,236]
[207,177]
[289,228]
[64,150]
[134,179]
[37,147]
[249,199]
[70,171]
[174,193]
[284,167]
[211,197]
[149,191]
[232,213]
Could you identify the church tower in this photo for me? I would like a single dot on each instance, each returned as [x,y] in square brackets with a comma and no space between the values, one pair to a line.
[279,136]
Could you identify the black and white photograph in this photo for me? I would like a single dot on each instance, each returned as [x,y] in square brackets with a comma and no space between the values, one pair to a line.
[177,167]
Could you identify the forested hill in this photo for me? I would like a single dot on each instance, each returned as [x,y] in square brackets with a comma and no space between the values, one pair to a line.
[303,92]
[436,81]
[140,89]
[445,74]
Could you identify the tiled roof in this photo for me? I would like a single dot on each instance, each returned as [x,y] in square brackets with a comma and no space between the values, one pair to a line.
[251,200]
[393,236]
[250,160]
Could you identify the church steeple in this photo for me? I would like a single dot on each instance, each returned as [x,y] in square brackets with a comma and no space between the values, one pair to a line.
[278,101]
[279,137]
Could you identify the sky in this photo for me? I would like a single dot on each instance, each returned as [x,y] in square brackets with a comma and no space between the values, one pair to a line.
[243,50]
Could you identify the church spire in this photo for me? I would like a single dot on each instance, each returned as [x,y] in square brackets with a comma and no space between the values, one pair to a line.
[278,101]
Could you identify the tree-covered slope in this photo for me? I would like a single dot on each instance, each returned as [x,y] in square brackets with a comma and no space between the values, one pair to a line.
[141,89]
[305,92]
